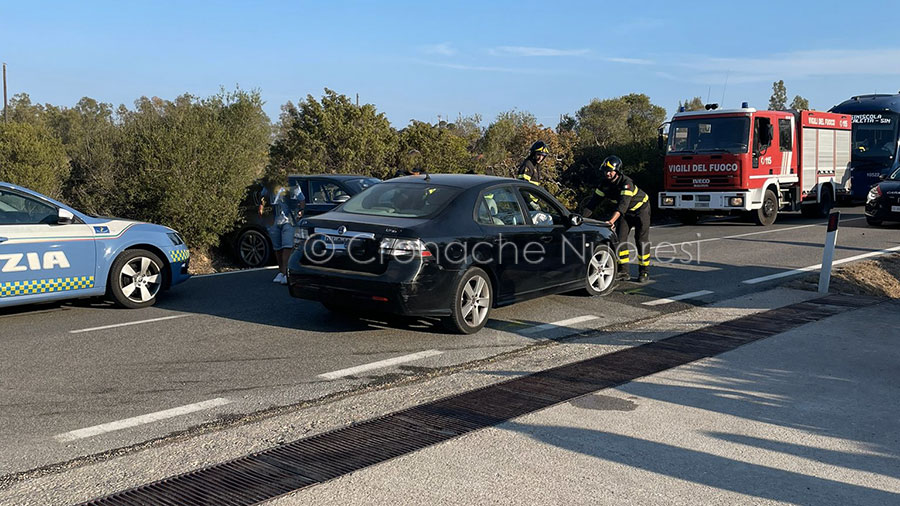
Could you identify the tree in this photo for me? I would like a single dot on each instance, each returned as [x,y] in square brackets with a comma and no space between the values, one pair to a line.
[778,100]
[21,110]
[441,150]
[187,163]
[631,118]
[31,157]
[567,123]
[694,104]
[333,135]
[89,133]
[799,103]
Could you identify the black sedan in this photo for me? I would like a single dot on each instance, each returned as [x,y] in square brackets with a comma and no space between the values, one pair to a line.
[250,241]
[449,246]
[883,203]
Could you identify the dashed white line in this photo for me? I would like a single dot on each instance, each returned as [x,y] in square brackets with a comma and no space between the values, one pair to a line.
[139,420]
[816,267]
[350,371]
[669,300]
[128,324]
[561,323]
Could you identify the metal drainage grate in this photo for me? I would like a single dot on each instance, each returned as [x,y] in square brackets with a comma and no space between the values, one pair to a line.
[292,466]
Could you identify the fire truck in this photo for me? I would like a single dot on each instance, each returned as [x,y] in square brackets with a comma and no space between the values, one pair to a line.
[757,163]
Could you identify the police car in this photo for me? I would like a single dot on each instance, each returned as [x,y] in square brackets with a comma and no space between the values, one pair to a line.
[49,251]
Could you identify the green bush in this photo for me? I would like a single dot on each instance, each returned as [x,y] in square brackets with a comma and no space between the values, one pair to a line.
[187,163]
[32,157]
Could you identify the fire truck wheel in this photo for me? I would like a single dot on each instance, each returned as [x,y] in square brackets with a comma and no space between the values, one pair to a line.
[766,214]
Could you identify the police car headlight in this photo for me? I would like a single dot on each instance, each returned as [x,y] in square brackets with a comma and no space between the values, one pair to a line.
[668,201]
[175,238]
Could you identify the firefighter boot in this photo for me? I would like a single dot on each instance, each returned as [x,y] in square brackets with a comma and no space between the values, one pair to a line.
[643,275]
[623,274]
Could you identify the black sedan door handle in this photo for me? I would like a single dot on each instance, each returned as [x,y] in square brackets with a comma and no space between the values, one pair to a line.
[546,238]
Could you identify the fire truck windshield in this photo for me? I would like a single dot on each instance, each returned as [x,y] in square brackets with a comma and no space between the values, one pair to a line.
[709,135]
[874,137]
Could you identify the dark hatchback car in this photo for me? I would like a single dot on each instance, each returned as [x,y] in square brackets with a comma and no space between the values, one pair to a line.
[449,246]
[883,203]
[250,242]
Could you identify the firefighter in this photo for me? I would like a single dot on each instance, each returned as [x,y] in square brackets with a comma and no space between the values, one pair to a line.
[632,211]
[530,168]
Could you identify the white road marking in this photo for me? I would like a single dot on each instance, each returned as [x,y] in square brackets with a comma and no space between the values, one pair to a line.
[350,371]
[561,323]
[117,325]
[696,241]
[139,420]
[669,300]
[235,272]
[816,267]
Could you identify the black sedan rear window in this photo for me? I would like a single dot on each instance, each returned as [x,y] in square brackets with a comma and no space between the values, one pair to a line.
[401,200]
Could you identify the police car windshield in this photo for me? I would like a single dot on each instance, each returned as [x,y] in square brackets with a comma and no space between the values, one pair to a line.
[709,135]
[874,137]
[401,200]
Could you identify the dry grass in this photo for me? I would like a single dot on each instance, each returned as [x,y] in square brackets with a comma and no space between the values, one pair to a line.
[210,261]
[879,277]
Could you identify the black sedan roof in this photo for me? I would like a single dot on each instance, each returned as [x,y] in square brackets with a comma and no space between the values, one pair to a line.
[464,181]
[340,177]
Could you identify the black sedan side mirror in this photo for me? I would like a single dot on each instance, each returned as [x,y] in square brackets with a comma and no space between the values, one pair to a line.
[575,220]
[883,177]
[340,199]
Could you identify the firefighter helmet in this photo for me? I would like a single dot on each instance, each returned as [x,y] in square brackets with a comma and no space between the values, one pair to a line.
[539,148]
[611,164]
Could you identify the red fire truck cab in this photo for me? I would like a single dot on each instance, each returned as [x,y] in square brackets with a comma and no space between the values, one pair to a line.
[756,162]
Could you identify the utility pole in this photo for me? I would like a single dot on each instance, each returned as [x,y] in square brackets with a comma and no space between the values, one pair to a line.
[5,114]
[357,100]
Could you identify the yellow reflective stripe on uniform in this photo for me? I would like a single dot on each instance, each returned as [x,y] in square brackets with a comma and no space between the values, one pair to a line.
[600,193]
[611,166]
[623,253]
[526,177]
[631,193]
[644,260]
[639,204]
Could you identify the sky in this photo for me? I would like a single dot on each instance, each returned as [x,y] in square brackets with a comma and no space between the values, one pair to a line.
[421,60]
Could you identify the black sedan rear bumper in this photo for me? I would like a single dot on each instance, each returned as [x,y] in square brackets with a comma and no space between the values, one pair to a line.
[412,289]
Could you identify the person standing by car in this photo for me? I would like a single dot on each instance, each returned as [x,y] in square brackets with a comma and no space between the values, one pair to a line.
[287,205]
[632,211]
[530,168]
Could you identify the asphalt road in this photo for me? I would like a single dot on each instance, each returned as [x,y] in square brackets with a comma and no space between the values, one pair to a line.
[222,347]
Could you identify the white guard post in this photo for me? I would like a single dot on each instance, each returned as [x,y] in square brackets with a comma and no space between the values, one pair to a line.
[828,254]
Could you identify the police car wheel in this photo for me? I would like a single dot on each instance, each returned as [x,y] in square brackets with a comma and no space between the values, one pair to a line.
[600,277]
[135,279]
[471,302]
